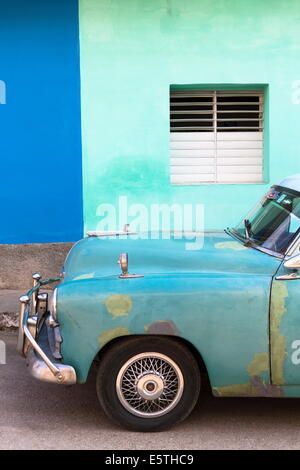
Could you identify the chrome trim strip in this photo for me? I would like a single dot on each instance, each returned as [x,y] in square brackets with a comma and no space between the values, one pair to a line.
[53,303]
[286,277]
[21,339]
[36,279]
[95,233]
[294,246]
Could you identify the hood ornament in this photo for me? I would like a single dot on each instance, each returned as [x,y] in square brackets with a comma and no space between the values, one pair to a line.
[110,233]
[123,262]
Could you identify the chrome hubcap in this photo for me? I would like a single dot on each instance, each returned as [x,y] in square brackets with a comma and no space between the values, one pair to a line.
[149,385]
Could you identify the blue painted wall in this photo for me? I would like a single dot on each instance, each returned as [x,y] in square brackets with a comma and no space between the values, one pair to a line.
[40,128]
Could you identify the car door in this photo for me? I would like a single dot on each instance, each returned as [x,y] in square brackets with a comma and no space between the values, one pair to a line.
[285,327]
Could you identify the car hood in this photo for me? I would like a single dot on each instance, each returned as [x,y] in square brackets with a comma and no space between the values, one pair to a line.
[208,252]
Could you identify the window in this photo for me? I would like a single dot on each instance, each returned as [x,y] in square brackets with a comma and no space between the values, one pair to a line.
[274,222]
[216,137]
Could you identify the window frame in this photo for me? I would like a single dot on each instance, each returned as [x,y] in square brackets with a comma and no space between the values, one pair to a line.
[216,130]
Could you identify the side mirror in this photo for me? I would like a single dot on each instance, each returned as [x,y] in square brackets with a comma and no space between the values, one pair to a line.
[293,262]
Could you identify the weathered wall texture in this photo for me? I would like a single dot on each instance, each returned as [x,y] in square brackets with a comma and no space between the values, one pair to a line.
[18,262]
[133,50]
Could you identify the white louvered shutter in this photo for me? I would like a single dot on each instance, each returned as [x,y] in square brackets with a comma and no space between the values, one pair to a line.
[216,137]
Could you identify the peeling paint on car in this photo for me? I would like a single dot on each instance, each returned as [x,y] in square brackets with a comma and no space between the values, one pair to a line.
[241,390]
[231,246]
[84,276]
[254,388]
[162,327]
[118,305]
[278,344]
[109,335]
[266,390]
[259,364]
[216,299]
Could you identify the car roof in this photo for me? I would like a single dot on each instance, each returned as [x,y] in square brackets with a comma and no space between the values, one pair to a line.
[290,182]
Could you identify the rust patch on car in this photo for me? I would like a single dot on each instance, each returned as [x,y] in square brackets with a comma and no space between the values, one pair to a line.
[266,390]
[162,327]
[236,390]
[108,335]
[259,364]
[118,305]
[278,345]
[231,246]
[254,388]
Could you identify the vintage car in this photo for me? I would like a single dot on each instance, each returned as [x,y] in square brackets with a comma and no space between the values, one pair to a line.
[229,309]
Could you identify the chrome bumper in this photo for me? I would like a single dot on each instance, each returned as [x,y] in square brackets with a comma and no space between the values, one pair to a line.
[40,370]
[40,365]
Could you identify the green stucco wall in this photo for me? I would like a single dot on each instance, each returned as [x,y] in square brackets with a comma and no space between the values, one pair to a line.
[133,50]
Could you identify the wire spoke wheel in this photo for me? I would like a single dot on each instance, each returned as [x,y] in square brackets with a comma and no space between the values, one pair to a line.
[149,385]
[148,391]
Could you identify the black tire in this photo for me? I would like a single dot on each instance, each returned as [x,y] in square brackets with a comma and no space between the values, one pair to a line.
[117,356]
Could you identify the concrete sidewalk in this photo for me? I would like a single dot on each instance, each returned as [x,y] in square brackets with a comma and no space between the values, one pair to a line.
[18,262]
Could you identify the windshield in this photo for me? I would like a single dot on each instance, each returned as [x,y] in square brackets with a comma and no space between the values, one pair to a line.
[274,222]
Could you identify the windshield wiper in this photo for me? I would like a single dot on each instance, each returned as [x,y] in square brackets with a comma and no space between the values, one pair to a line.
[247,228]
[239,236]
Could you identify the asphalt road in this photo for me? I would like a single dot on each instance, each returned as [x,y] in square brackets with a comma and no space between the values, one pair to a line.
[36,415]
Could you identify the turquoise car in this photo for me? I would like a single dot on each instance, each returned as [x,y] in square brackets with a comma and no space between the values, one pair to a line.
[155,324]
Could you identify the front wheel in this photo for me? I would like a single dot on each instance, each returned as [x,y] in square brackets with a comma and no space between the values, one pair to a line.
[148,383]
